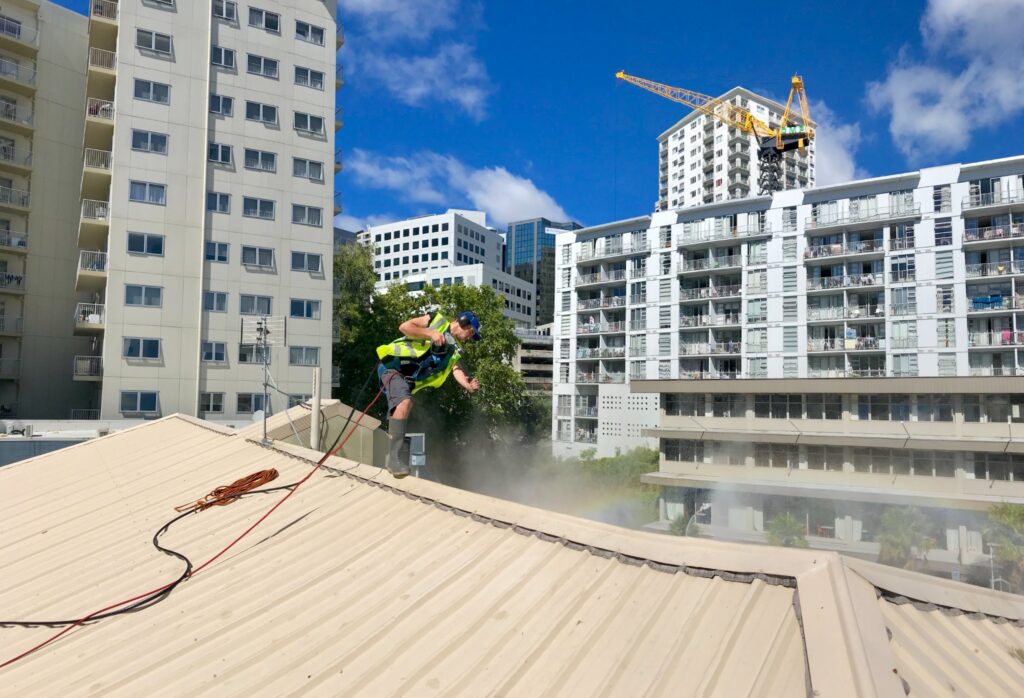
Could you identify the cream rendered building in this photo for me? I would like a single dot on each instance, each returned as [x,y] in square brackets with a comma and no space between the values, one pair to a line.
[206,198]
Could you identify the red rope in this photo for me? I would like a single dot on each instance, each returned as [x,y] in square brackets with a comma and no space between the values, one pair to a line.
[212,559]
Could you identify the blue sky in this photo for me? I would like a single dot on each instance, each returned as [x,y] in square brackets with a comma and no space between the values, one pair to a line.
[513,108]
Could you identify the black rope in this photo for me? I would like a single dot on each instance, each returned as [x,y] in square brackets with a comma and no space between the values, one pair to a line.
[156,597]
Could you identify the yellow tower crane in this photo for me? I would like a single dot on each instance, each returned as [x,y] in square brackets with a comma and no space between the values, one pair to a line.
[771,141]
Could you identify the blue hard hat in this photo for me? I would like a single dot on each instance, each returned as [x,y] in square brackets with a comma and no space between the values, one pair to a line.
[468,319]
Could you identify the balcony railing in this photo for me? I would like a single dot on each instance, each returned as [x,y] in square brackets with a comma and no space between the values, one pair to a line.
[15,197]
[730,347]
[829,282]
[854,312]
[899,309]
[10,238]
[726,319]
[850,344]
[992,199]
[601,277]
[10,324]
[723,233]
[88,366]
[609,302]
[97,159]
[586,377]
[104,9]
[80,413]
[831,313]
[601,327]
[12,282]
[14,70]
[996,371]
[612,251]
[983,303]
[829,344]
[589,411]
[95,210]
[1001,338]
[15,156]
[600,352]
[16,31]
[89,260]
[997,232]
[90,314]
[612,378]
[695,321]
[12,115]
[589,437]
[99,109]
[865,344]
[995,269]
[868,215]
[862,247]
[100,58]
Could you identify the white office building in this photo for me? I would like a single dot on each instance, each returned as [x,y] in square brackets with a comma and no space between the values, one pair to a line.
[206,198]
[858,345]
[701,160]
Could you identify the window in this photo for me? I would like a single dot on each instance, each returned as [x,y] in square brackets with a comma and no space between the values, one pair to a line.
[255,305]
[218,202]
[223,57]
[308,169]
[307,215]
[216,251]
[307,77]
[789,250]
[935,408]
[152,41]
[140,348]
[261,19]
[146,243]
[249,403]
[789,338]
[728,405]
[149,142]
[310,33]
[306,261]
[256,208]
[941,198]
[149,91]
[215,301]
[257,256]
[789,280]
[309,123]
[219,152]
[221,105]
[225,9]
[148,193]
[947,364]
[944,299]
[944,265]
[258,65]
[135,294]
[260,160]
[828,406]
[251,354]
[305,309]
[211,402]
[139,402]
[265,113]
[213,351]
[304,356]
[943,232]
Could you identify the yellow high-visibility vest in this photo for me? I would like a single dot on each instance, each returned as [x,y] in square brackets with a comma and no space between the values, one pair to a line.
[414,349]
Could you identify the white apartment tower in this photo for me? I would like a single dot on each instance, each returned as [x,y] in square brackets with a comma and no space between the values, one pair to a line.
[206,198]
[701,160]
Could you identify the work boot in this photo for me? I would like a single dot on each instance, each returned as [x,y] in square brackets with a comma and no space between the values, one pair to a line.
[396,464]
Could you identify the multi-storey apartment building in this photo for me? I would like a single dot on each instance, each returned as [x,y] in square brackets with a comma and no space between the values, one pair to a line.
[701,160]
[530,256]
[206,198]
[853,346]
[42,88]
[535,359]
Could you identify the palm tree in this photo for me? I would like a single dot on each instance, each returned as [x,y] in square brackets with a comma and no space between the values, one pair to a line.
[786,530]
[904,537]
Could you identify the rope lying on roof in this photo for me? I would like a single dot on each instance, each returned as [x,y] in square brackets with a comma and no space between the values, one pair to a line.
[226,494]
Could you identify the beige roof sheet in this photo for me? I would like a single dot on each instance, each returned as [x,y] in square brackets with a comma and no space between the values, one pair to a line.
[360,584]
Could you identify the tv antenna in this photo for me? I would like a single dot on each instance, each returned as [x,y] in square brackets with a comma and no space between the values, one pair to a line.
[262,333]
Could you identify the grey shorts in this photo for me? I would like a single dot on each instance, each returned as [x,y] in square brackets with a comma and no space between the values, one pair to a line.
[396,387]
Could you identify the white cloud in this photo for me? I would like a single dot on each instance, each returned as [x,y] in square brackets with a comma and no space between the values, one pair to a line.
[444,181]
[970,79]
[409,47]
[835,147]
[357,223]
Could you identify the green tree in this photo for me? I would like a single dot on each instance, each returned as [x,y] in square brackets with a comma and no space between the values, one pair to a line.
[1006,533]
[786,530]
[681,526]
[905,537]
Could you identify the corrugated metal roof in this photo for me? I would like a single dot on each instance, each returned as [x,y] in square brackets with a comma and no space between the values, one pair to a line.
[361,584]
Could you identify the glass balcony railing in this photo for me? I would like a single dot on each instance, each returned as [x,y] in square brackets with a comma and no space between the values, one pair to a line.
[996,232]
[992,199]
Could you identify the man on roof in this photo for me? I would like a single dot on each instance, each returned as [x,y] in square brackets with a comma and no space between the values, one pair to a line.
[426,354]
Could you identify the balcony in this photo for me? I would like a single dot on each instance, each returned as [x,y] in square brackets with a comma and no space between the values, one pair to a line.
[92,271]
[99,110]
[339,37]
[863,247]
[864,312]
[586,411]
[15,199]
[975,238]
[867,217]
[724,319]
[10,326]
[98,161]
[601,328]
[95,223]
[831,313]
[975,271]
[17,77]
[90,318]
[12,283]
[998,371]
[104,11]
[695,321]
[902,309]
[338,120]
[19,120]
[828,283]
[984,304]
[84,413]
[609,251]
[10,369]
[586,437]
[13,242]
[608,277]
[337,203]
[609,302]
[1002,338]
[15,160]
[338,162]
[101,59]
[17,38]
[88,368]
[994,202]
[824,344]
[593,353]
[714,234]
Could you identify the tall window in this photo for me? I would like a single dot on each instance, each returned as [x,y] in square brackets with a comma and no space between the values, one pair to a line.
[223,57]
[213,351]
[222,105]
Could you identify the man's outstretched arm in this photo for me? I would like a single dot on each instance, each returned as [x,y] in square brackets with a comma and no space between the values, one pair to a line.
[419,328]
[462,378]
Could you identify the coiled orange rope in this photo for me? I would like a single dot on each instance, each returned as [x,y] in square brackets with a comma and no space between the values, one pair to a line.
[229,493]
